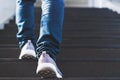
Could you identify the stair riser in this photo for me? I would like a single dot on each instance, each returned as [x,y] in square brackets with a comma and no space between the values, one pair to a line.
[80,69]
[72,53]
[103,43]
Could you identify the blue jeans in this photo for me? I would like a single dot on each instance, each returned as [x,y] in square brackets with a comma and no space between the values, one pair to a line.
[50,36]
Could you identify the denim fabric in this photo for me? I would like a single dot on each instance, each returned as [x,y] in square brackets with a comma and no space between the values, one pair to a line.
[25,21]
[50,36]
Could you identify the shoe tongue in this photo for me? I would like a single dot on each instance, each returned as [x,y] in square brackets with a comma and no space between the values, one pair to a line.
[29,41]
[29,46]
[44,53]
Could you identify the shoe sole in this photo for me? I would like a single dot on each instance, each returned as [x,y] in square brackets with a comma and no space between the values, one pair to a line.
[27,57]
[47,73]
[48,70]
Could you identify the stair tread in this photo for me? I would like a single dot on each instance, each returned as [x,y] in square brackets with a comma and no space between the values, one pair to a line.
[80,69]
[66,78]
[71,52]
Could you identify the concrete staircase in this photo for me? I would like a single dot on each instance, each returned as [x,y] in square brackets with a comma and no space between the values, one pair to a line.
[90,48]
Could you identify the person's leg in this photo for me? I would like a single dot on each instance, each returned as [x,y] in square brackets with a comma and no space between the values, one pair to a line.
[50,37]
[25,21]
[25,24]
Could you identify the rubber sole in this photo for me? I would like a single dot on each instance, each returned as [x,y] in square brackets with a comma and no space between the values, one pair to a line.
[28,57]
[47,73]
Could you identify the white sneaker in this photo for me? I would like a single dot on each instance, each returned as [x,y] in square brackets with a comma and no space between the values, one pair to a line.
[28,51]
[47,67]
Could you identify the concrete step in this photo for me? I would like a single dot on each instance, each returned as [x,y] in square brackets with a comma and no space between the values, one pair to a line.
[86,42]
[70,68]
[77,29]
[72,53]
[81,18]
[71,29]
[81,22]
[67,78]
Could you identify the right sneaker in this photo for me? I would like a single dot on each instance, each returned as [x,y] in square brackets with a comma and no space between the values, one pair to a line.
[47,67]
[28,51]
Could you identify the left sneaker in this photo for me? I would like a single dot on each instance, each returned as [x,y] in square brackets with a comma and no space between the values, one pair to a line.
[47,67]
[28,51]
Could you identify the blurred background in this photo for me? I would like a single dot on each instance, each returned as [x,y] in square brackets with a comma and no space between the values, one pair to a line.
[7,9]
